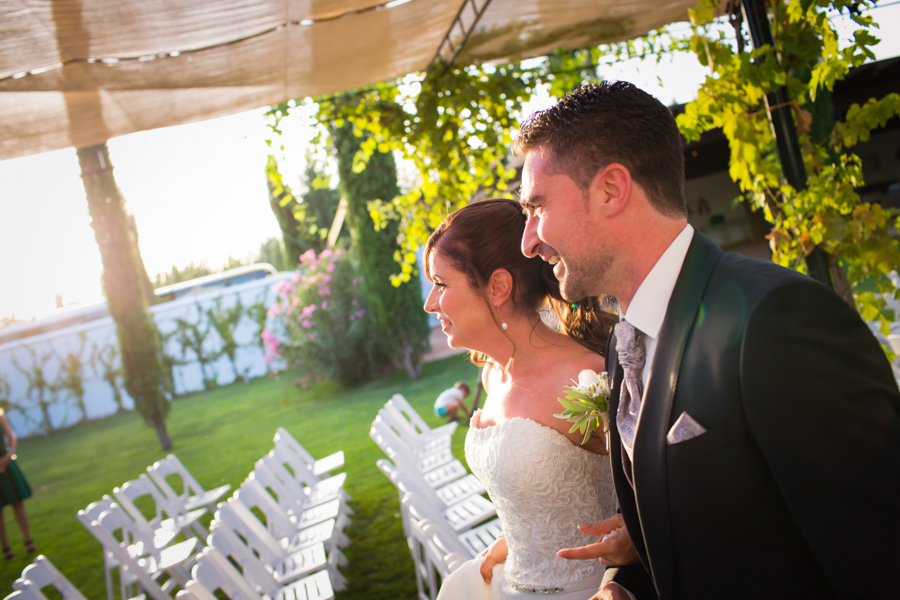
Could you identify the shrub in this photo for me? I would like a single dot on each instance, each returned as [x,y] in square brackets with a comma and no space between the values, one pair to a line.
[318,324]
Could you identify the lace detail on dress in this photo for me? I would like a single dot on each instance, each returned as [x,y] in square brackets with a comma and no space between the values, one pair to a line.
[543,486]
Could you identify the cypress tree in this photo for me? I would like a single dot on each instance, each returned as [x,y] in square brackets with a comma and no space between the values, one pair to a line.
[401,323]
[139,340]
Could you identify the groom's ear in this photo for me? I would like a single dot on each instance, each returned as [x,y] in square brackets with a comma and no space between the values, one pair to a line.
[611,189]
[499,287]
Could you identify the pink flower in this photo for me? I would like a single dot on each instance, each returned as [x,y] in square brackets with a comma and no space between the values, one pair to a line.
[331,268]
[308,256]
[353,303]
[295,301]
[327,278]
[306,323]
[312,336]
[324,291]
[327,253]
[354,281]
[295,277]
[325,305]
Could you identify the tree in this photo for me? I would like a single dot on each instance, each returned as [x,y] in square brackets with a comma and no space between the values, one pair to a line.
[305,220]
[139,340]
[806,60]
[396,310]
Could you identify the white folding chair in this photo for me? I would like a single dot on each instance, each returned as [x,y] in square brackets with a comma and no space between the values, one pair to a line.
[167,515]
[41,573]
[438,475]
[271,548]
[422,444]
[429,452]
[135,565]
[300,492]
[461,516]
[194,591]
[88,516]
[418,423]
[468,543]
[313,486]
[391,444]
[320,467]
[269,578]
[214,572]
[253,495]
[192,495]
[449,494]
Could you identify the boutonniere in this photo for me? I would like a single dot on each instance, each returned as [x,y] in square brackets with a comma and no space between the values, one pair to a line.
[586,403]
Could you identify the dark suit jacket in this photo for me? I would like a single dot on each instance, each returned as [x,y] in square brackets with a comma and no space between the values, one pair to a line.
[794,490]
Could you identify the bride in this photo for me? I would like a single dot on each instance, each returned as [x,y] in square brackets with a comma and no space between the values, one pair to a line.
[543,481]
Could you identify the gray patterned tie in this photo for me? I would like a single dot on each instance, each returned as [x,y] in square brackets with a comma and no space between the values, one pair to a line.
[630,348]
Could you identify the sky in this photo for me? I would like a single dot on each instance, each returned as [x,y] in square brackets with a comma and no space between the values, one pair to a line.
[198,191]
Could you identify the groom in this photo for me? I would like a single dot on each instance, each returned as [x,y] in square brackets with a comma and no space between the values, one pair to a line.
[755,421]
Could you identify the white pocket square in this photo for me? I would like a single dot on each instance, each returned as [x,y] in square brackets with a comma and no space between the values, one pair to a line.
[685,428]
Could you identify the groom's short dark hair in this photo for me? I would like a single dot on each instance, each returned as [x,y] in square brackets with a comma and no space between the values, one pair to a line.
[603,123]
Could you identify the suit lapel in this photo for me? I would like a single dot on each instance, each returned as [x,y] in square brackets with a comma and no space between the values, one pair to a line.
[649,469]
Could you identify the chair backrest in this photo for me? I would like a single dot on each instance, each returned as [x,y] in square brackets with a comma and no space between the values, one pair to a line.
[214,572]
[94,510]
[42,573]
[390,443]
[170,465]
[226,541]
[410,480]
[298,470]
[405,408]
[240,519]
[288,494]
[252,495]
[287,441]
[142,488]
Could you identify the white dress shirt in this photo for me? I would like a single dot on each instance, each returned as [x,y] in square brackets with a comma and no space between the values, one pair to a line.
[647,310]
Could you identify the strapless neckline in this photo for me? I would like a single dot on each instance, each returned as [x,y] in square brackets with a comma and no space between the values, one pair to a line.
[559,435]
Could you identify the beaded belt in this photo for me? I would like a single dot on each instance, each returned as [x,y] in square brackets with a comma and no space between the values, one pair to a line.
[527,589]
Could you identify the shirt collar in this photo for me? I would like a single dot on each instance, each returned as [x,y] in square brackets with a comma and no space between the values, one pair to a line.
[647,310]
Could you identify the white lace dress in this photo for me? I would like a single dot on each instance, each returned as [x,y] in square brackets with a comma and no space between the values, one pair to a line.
[544,486]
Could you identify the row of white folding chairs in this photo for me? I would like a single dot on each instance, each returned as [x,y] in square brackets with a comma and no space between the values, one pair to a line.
[441,504]
[459,500]
[146,542]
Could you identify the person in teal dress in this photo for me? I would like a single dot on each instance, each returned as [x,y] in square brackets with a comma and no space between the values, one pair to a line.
[14,489]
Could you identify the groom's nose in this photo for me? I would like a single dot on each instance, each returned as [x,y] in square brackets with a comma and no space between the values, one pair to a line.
[531,243]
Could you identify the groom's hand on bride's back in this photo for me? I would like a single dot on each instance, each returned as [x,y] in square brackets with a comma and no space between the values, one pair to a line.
[614,548]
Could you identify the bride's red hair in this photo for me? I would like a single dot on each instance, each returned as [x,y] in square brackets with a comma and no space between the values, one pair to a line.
[485,236]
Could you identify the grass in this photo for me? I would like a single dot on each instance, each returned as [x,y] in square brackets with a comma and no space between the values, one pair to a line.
[219,435]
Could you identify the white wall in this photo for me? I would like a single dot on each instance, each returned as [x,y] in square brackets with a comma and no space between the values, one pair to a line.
[98,395]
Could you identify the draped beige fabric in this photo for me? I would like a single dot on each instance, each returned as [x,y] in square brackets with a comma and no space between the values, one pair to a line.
[78,72]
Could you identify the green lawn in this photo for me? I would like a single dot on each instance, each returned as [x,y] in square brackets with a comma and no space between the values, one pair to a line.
[219,435]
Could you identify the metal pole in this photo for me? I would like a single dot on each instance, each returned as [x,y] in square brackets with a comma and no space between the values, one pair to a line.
[784,130]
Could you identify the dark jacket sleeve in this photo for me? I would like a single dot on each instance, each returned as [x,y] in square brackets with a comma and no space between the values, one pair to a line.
[822,404]
[633,578]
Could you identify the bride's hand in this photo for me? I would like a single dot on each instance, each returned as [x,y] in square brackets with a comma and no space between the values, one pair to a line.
[614,548]
[495,554]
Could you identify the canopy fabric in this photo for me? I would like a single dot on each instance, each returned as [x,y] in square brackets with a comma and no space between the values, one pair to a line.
[78,72]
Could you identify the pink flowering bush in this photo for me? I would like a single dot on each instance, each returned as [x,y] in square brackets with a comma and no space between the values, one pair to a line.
[318,323]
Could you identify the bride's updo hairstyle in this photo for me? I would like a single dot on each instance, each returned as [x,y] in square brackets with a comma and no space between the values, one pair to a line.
[485,236]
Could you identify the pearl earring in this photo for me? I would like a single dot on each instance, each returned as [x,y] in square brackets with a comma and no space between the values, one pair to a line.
[502,322]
